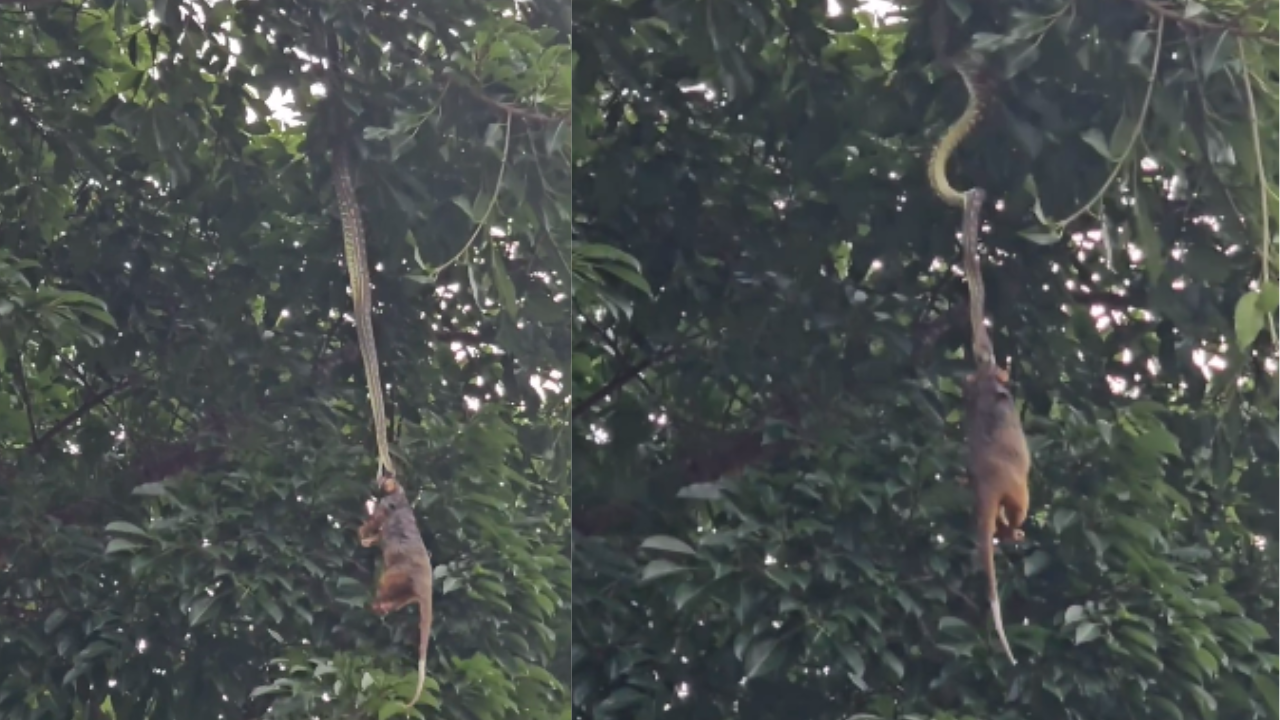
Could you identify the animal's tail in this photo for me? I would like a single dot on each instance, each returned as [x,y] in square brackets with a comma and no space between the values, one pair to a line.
[424,639]
[993,593]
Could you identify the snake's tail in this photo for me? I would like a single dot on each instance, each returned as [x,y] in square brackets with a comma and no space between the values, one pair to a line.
[968,65]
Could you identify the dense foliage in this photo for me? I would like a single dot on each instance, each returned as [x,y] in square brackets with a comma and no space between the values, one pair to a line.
[767,517]
[185,442]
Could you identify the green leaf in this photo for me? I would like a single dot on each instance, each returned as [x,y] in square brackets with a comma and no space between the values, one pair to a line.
[628,276]
[660,568]
[1138,48]
[894,664]
[1138,636]
[1157,438]
[700,491]
[1035,562]
[1121,136]
[101,316]
[272,689]
[1031,139]
[1073,615]
[1062,518]
[686,592]
[1256,630]
[1039,237]
[1166,707]
[1269,297]
[464,203]
[954,626]
[200,609]
[1249,319]
[270,606]
[554,140]
[1087,632]
[502,281]
[1207,662]
[78,669]
[1148,239]
[988,42]
[127,528]
[390,708]
[1202,697]
[853,658]
[54,620]
[494,134]
[961,9]
[412,241]
[1098,141]
[762,656]
[117,545]
[667,544]
[151,489]
[1019,59]
[594,251]
[1265,684]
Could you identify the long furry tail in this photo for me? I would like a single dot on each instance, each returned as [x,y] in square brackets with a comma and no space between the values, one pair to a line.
[424,639]
[993,593]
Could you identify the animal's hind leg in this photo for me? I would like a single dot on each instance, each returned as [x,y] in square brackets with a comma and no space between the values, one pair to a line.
[1009,525]
[395,590]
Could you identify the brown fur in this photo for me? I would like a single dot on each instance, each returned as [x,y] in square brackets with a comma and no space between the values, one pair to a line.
[406,572]
[999,463]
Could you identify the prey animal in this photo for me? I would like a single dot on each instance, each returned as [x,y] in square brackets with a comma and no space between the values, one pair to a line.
[406,571]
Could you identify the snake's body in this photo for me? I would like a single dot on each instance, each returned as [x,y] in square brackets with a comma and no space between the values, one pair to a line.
[353,243]
[967,66]
[361,297]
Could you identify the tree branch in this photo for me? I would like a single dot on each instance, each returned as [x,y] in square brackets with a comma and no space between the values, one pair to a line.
[506,108]
[619,381]
[1175,15]
[94,400]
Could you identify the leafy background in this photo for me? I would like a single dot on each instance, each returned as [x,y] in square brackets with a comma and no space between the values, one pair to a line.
[766,511]
[185,448]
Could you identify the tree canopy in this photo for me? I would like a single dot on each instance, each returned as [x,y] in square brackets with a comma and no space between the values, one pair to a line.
[767,517]
[185,443]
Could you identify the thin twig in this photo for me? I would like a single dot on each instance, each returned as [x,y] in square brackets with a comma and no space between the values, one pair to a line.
[497,190]
[1262,179]
[1137,129]
[95,400]
[511,109]
[1163,12]
[619,381]
[324,345]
